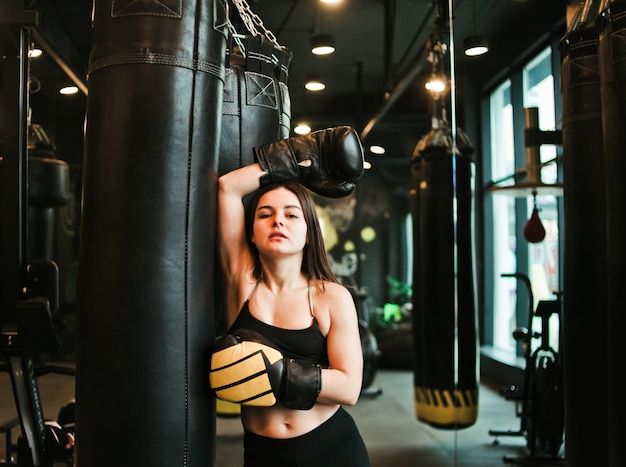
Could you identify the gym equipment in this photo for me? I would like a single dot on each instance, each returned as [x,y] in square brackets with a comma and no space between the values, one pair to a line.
[445,342]
[532,185]
[444,321]
[328,162]
[539,404]
[145,280]
[584,248]
[534,231]
[611,51]
[28,287]
[369,345]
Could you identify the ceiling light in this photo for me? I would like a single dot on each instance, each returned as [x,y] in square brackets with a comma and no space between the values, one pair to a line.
[330,1]
[475,45]
[375,149]
[67,90]
[322,44]
[302,129]
[314,83]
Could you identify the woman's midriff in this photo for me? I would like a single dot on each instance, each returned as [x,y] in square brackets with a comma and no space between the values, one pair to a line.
[279,422]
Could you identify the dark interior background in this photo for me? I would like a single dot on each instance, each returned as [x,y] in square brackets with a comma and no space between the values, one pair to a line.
[375,80]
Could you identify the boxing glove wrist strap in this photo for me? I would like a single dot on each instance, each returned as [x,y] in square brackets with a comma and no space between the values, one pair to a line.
[302,384]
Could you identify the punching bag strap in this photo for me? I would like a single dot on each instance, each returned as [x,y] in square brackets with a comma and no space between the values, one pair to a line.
[260,57]
[264,58]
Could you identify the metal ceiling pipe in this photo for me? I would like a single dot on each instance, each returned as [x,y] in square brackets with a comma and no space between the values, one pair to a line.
[78,80]
[389,27]
[390,97]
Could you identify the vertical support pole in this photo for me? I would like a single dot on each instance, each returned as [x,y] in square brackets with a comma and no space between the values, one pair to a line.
[14,46]
[13,173]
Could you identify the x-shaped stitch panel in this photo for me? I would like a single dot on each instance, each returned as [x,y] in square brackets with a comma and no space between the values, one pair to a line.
[260,90]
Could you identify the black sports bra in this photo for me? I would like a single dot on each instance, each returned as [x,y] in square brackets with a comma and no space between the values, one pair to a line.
[303,344]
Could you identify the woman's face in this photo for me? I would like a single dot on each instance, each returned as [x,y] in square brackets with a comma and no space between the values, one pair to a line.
[279,225]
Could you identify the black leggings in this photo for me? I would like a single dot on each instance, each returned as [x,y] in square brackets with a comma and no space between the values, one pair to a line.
[335,443]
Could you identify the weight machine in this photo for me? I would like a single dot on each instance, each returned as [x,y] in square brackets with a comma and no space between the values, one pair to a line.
[540,403]
[28,288]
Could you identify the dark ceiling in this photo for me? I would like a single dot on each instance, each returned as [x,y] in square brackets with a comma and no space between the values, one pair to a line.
[374,79]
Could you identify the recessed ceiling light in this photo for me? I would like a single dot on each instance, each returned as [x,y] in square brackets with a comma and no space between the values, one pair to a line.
[314,83]
[375,149]
[475,45]
[322,44]
[302,129]
[68,90]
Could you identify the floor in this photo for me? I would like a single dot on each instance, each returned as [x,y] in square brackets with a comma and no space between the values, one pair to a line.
[395,438]
[387,423]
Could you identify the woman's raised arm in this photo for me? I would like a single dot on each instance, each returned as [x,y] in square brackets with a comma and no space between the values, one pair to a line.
[234,253]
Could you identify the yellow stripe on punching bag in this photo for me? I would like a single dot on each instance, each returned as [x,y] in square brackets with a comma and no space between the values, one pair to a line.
[440,408]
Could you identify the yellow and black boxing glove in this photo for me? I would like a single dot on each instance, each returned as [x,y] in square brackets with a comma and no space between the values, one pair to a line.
[246,369]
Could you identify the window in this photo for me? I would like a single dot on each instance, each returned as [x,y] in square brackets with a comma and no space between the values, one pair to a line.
[509,252]
[504,238]
[543,257]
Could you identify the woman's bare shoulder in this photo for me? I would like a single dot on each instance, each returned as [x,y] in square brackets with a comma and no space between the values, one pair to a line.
[336,295]
[335,288]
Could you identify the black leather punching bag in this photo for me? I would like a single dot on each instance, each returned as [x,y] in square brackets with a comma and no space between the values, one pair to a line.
[612,60]
[48,189]
[445,340]
[257,107]
[145,322]
[584,242]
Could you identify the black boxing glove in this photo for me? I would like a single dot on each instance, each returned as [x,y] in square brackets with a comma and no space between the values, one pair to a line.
[328,162]
[246,369]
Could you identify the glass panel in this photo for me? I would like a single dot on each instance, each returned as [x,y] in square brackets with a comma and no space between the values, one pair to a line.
[504,226]
[543,257]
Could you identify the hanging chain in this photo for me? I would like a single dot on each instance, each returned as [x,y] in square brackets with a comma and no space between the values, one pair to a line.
[254,23]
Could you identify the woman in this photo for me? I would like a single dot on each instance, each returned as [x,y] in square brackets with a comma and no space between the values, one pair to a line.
[279,284]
